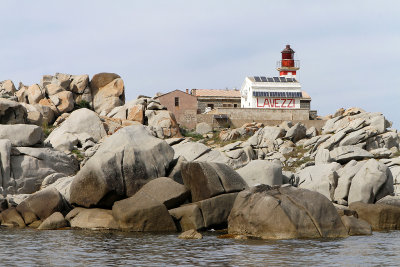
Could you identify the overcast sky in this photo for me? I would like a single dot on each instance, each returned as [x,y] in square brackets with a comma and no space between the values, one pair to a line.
[349,51]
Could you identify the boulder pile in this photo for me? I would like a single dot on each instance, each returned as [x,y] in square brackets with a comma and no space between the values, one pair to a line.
[100,163]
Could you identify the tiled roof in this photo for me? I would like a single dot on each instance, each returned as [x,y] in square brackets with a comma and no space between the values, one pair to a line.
[216,92]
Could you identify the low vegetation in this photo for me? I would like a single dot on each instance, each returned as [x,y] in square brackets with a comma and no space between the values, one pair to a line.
[47,129]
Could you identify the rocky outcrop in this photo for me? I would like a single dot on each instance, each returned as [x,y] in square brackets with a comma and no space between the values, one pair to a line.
[121,166]
[284,212]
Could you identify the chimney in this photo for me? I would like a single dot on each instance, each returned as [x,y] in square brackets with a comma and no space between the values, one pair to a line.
[187,91]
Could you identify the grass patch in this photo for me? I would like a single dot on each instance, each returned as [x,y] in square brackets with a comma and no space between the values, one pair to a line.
[83,104]
[47,129]
[193,135]
[216,141]
[297,153]
[78,154]
[395,155]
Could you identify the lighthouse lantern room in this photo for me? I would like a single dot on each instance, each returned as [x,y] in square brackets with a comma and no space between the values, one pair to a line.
[283,92]
[287,67]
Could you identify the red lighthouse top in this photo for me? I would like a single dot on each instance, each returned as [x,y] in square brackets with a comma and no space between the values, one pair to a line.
[288,53]
[287,67]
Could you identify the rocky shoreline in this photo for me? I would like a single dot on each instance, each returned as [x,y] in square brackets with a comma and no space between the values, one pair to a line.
[75,155]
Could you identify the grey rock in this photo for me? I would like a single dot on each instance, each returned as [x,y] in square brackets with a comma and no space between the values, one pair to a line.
[344,154]
[190,151]
[95,219]
[22,134]
[203,128]
[166,191]
[30,166]
[346,175]
[80,125]
[142,213]
[371,183]
[296,133]
[356,226]
[321,178]
[188,217]
[284,212]
[206,180]
[261,172]
[41,205]
[216,210]
[54,221]
[12,112]
[123,163]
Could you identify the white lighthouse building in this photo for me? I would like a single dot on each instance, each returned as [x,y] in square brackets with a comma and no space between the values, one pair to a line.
[283,92]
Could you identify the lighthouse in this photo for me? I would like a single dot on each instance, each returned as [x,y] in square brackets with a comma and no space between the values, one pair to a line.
[287,66]
[283,92]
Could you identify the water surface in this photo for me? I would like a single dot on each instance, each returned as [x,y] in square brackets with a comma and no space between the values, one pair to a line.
[27,247]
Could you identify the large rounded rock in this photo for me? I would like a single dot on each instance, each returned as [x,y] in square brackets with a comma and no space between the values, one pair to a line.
[206,180]
[41,205]
[22,134]
[142,213]
[380,216]
[12,112]
[371,183]
[284,212]
[121,166]
[261,172]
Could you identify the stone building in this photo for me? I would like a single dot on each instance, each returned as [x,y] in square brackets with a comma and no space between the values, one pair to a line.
[183,105]
[216,98]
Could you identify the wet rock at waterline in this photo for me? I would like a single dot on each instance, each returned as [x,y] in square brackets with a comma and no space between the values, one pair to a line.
[284,212]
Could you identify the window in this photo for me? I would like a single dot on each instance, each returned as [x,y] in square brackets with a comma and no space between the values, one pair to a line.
[176,101]
[235,105]
[210,106]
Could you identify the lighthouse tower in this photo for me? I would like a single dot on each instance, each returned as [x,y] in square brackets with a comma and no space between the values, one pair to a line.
[287,67]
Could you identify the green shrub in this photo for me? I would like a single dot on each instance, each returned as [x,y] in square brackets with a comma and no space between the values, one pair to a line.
[47,129]
[84,104]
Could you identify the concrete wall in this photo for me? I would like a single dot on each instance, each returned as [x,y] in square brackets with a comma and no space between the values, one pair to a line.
[202,103]
[185,112]
[238,117]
